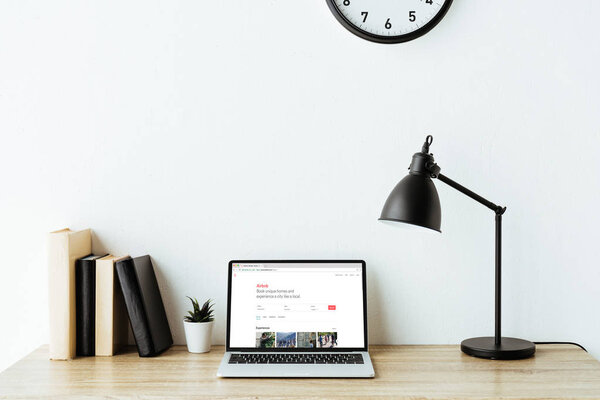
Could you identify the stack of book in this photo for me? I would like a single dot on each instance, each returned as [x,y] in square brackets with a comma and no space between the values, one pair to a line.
[92,296]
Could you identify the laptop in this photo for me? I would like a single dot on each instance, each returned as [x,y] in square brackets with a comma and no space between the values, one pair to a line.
[297,318]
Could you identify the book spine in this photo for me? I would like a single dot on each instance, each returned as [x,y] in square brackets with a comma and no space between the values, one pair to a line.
[85,295]
[105,292]
[64,247]
[135,307]
[58,297]
[153,304]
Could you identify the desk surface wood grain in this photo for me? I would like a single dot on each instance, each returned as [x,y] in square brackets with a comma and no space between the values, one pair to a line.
[409,372]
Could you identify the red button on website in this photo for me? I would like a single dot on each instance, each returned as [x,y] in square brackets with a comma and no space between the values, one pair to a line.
[331,307]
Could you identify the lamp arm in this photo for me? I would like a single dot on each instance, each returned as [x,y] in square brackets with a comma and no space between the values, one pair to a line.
[499,210]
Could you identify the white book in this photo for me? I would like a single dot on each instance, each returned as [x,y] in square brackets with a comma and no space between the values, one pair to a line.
[111,314]
[64,248]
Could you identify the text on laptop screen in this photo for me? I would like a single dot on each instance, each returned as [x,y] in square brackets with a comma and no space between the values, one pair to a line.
[297,305]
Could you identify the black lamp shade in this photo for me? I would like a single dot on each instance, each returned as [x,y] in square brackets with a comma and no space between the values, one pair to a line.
[414,201]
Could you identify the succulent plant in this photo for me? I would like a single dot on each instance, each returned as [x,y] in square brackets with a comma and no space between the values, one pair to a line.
[200,314]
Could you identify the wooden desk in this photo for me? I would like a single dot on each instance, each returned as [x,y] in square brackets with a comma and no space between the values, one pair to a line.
[410,372]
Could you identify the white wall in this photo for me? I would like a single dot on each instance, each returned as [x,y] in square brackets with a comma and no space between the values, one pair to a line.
[201,131]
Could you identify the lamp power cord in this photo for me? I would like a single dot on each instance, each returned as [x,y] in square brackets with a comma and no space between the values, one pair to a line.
[573,343]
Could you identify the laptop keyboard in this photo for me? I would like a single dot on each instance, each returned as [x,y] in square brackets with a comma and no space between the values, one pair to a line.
[295,358]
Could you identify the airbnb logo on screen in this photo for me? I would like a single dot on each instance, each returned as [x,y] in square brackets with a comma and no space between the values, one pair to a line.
[262,285]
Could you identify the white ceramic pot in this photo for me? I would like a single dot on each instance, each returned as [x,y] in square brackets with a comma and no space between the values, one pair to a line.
[198,336]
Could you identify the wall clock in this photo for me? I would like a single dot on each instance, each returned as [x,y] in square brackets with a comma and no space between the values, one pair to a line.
[389,21]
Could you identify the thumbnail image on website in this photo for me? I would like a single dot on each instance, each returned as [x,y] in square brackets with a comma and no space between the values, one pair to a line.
[306,340]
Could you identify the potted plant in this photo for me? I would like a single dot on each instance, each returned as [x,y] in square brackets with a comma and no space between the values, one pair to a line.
[198,326]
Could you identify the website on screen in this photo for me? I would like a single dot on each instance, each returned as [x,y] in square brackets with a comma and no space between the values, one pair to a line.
[297,305]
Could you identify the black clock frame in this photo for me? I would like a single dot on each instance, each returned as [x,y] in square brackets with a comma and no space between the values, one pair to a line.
[388,39]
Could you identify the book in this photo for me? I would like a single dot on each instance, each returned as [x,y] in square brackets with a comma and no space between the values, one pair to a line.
[144,304]
[111,315]
[85,305]
[64,247]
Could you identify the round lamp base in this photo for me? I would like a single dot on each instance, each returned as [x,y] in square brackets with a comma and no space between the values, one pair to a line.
[509,349]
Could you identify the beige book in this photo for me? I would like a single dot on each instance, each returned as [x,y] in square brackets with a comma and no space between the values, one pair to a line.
[64,248]
[111,315]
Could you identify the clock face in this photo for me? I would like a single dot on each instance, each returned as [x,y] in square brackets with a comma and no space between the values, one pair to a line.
[389,21]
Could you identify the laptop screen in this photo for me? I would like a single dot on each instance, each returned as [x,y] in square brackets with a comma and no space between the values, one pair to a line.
[296,305]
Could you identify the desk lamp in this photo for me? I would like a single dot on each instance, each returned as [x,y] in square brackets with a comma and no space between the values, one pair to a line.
[415,201]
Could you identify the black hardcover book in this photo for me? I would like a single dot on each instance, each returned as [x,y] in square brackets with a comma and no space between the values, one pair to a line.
[144,305]
[85,305]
